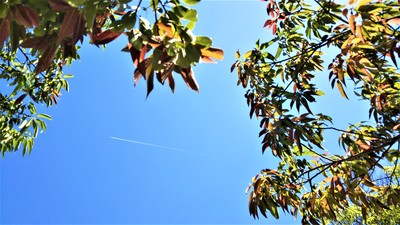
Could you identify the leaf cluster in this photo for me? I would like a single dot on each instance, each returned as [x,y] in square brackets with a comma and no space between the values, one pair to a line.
[38,38]
[279,76]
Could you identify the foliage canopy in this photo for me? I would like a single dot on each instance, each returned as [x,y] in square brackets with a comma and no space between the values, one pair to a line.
[39,37]
[280,79]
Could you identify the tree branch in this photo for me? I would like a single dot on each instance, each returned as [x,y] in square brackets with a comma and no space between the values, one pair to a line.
[350,158]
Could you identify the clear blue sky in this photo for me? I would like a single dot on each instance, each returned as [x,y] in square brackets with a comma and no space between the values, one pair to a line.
[77,174]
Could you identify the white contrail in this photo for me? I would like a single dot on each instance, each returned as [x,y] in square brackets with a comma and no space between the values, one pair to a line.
[157,146]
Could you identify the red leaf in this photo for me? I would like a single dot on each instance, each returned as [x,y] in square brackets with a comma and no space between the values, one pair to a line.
[39,43]
[207,59]
[188,77]
[136,77]
[104,37]
[394,21]
[268,23]
[143,53]
[47,58]
[171,83]
[60,5]
[5,29]
[166,73]
[79,29]
[274,28]
[72,26]
[25,16]
[150,82]
[344,12]
[19,99]
[135,54]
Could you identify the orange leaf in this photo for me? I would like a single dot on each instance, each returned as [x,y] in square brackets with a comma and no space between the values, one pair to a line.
[168,29]
[341,89]
[211,52]
[352,24]
[312,200]
[143,53]
[359,33]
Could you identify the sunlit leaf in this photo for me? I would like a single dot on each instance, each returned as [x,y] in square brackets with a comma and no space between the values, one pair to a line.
[191,2]
[44,116]
[212,52]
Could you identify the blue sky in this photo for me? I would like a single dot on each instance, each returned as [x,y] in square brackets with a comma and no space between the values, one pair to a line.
[82,172]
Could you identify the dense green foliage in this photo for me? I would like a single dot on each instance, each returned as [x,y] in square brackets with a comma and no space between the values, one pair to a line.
[279,76]
[39,37]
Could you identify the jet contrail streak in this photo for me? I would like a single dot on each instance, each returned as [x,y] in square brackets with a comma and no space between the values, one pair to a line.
[157,146]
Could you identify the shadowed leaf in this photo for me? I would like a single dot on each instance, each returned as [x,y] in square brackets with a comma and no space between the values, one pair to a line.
[47,58]
[25,16]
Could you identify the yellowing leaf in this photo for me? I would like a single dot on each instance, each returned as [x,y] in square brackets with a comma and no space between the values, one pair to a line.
[341,89]
[352,23]
[215,53]
[247,54]
[362,2]
[359,33]
[191,2]
[237,54]
[168,30]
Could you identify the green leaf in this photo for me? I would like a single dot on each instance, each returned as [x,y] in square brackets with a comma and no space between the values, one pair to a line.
[128,20]
[44,116]
[205,42]
[3,10]
[191,2]
[278,52]
[154,4]
[192,53]
[180,11]
[362,2]
[90,13]
[191,15]
[182,61]
[190,25]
